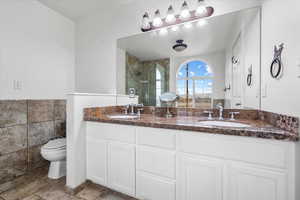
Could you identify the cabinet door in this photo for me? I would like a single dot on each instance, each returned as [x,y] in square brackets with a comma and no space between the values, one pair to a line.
[248,183]
[121,165]
[151,187]
[97,161]
[199,178]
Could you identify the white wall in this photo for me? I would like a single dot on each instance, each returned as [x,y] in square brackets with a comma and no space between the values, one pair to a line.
[281,23]
[216,61]
[249,30]
[36,49]
[97,35]
[121,73]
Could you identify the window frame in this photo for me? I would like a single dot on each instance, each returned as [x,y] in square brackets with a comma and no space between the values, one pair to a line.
[193,79]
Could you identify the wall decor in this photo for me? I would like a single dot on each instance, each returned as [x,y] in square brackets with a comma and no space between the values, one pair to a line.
[249,76]
[186,15]
[276,65]
[227,88]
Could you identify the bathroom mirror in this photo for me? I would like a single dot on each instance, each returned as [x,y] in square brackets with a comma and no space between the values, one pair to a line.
[204,62]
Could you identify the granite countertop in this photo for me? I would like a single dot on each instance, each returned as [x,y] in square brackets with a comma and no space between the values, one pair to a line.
[258,128]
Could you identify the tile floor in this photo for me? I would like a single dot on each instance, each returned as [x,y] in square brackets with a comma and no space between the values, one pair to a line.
[37,186]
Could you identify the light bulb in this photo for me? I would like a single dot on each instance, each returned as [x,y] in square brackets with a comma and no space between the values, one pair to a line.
[201,22]
[185,12]
[146,22]
[201,9]
[157,22]
[170,19]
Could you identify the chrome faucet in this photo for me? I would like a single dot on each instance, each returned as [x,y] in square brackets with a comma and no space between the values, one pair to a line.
[132,106]
[220,107]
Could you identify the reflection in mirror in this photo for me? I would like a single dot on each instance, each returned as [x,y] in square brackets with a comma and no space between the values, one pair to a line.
[204,63]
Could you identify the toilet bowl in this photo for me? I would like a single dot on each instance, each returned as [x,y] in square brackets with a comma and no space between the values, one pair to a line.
[55,152]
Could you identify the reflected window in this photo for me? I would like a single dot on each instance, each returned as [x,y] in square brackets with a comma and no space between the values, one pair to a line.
[158,86]
[195,85]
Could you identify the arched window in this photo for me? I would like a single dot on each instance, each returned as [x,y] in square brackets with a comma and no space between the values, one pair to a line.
[195,85]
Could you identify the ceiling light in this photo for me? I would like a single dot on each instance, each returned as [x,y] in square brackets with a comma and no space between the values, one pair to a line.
[185,12]
[180,46]
[146,22]
[170,19]
[201,9]
[201,22]
[157,22]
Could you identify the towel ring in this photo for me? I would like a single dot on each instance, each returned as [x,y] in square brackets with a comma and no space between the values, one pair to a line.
[249,76]
[276,65]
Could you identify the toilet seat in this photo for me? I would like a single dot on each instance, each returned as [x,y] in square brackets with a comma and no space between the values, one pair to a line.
[55,145]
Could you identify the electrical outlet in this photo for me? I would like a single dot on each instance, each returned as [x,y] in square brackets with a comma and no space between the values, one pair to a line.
[17,85]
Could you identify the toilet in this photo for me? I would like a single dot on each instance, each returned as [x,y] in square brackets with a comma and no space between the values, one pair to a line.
[55,152]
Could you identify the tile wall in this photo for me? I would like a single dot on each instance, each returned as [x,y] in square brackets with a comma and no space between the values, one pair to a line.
[25,125]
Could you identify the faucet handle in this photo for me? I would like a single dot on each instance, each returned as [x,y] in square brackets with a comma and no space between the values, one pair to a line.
[209,113]
[125,110]
[232,114]
[139,111]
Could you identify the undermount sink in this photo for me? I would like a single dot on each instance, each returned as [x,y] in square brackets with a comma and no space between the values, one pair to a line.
[123,116]
[224,124]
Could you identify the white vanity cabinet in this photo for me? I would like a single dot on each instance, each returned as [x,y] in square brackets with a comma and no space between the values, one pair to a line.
[254,182]
[199,178]
[121,167]
[111,156]
[96,160]
[163,164]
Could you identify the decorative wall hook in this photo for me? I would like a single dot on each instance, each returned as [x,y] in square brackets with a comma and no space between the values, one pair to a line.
[234,60]
[249,76]
[227,88]
[276,66]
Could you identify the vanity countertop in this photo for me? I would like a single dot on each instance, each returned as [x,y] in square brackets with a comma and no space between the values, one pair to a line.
[258,128]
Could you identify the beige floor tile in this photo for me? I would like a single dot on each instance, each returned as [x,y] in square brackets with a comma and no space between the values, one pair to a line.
[33,197]
[91,192]
[24,190]
[55,193]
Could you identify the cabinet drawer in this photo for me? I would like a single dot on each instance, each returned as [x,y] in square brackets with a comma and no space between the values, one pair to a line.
[258,151]
[156,161]
[121,133]
[156,137]
[154,188]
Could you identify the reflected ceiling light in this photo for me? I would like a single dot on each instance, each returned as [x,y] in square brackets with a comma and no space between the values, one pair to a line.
[185,12]
[153,33]
[180,46]
[201,9]
[175,28]
[188,25]
[146,22]
[157,22]
[201,22]
[163,31]
[170,19]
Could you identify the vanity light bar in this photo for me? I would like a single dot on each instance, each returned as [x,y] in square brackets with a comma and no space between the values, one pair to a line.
[171,19]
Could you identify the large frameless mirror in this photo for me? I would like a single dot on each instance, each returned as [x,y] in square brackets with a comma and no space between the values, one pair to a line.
[203,62]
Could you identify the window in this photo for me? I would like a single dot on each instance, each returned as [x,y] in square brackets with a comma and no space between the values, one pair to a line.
[158,86]
[195,85]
